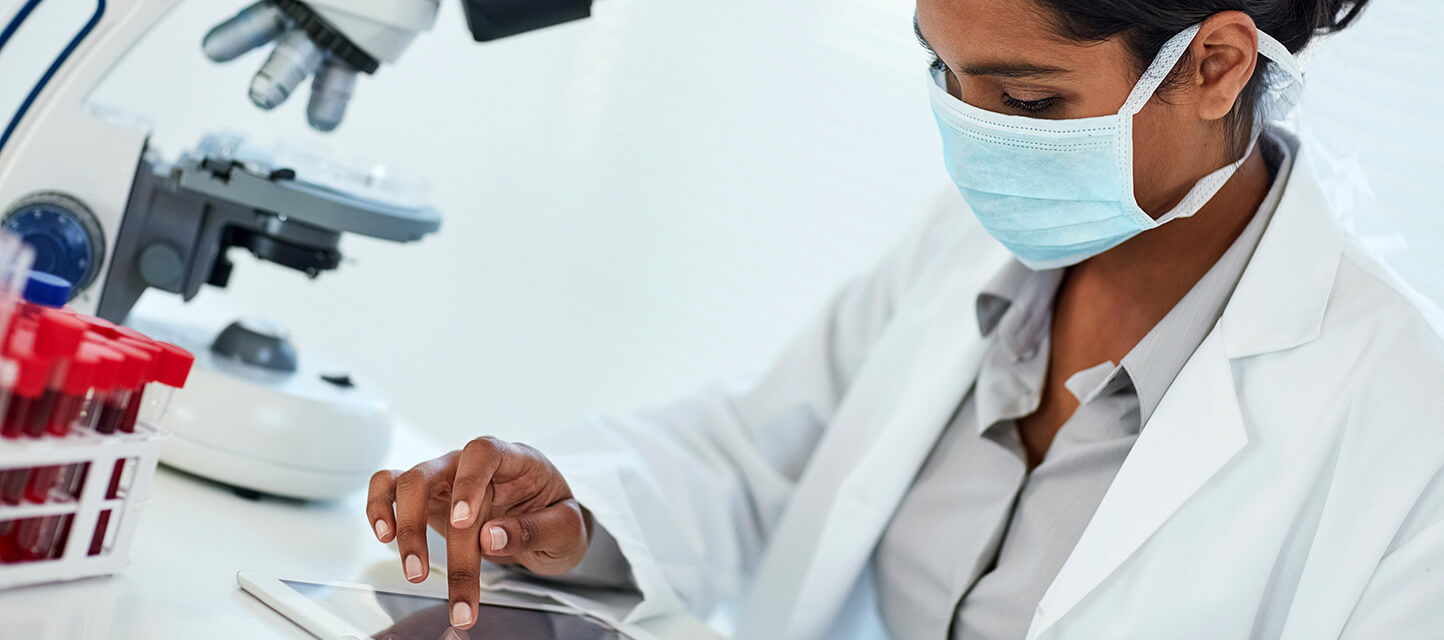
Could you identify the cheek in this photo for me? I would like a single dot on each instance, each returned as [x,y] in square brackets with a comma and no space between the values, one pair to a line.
[1160,158]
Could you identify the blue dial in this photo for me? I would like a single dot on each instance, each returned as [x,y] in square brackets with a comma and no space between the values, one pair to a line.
[64,234]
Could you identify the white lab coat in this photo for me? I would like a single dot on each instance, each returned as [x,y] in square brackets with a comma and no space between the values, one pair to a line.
[1286,487]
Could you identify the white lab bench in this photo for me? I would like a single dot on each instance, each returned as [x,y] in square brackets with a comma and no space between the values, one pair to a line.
[193,537]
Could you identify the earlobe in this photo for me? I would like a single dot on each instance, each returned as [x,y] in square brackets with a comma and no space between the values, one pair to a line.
[1225,54]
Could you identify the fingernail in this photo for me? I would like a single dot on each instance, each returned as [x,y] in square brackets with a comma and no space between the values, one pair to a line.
[460,614]
[460,512]
[413,568]
[382,529]
[498,538]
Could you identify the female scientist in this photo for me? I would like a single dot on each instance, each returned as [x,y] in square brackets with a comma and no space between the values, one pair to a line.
[1143,387]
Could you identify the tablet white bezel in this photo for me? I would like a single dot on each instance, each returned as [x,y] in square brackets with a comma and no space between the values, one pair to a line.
[317,621]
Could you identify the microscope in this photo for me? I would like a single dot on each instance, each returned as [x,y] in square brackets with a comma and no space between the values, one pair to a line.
[104,211]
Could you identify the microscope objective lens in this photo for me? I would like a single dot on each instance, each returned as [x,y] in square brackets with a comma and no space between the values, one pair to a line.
[294,59]
[330,93]
[258,24]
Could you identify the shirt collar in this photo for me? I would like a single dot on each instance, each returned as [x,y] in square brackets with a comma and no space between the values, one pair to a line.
[1031,292]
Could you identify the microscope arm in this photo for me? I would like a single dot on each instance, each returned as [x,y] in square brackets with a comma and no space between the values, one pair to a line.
[332,41]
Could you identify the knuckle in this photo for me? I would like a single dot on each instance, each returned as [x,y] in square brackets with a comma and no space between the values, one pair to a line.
[411,478]
[462,577]
[381,478]
[527,450]
[483,446]
[378,506]
[575,523]
[527,532]
[406,530]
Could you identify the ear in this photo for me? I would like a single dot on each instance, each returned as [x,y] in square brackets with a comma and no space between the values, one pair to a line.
[1223,56]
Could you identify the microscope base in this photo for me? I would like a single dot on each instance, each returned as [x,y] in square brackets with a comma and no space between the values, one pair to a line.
[298,435]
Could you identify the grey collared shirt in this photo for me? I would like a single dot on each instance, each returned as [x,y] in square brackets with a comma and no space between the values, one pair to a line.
[978,538]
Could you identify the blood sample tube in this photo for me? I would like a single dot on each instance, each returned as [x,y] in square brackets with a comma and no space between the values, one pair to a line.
[64,412]
[70,399]
[130,376]
[107,368]
[171,374]
[137,396]
[135,366]
[57,338]
[27,393]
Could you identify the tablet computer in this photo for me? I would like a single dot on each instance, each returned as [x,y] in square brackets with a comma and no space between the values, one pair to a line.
[334,611]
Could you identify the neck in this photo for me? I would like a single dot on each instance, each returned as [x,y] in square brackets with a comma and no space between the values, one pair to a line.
[1142,279]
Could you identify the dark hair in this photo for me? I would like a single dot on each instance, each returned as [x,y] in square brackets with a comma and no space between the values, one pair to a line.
[1147,24]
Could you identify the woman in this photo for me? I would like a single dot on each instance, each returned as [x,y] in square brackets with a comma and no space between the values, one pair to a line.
[1146,389]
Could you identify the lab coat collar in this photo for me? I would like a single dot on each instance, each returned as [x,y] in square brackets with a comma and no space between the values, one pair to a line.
[1296,262]
[1198,426]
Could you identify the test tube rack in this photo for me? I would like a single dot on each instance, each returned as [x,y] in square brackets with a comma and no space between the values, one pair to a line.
[104,455]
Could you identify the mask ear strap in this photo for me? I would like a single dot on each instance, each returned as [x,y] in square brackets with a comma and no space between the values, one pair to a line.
[1173,51]
[1283,58]
[1157,72]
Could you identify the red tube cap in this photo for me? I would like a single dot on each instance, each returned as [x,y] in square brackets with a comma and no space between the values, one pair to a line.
[151,349]
[34,374]
[58,335]
[80,375]
[133,368]
[101,326]
[22,337]
[107,365]
[175,365]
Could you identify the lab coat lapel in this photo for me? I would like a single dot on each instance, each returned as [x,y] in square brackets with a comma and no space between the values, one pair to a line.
[1198,426]
[1194,432]
[860,474]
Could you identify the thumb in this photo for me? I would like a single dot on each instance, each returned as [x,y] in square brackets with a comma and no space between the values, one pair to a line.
[556,537]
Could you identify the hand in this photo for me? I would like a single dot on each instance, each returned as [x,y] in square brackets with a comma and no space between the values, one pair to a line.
[493,500]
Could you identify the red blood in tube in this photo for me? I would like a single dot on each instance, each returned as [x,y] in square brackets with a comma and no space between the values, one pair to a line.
[111,413]
[17,412]
[107,369]
[12,485]
[98,540]
[39,415]
[80,377]
[132,407]
[57,339]
[42,480]
[133,369]
[26,395]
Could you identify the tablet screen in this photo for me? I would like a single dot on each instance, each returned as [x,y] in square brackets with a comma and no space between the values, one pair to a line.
[396,616]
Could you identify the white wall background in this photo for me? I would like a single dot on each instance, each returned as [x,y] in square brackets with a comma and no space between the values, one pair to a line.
[657,197]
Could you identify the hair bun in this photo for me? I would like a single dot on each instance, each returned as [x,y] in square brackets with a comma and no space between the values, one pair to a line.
[1296,22]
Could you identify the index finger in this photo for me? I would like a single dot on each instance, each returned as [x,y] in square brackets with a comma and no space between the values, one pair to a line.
[463,567]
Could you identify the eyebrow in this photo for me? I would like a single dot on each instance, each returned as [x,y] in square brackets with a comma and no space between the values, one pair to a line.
[997,69]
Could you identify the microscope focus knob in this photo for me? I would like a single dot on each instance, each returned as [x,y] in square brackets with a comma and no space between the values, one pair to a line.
[65,235]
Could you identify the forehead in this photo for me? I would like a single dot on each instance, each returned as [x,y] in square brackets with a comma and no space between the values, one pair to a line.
[978,32]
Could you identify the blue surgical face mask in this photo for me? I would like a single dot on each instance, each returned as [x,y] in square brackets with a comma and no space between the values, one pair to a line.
[1057,192]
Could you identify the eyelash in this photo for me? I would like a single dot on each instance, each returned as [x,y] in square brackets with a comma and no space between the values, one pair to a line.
[1030,106]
